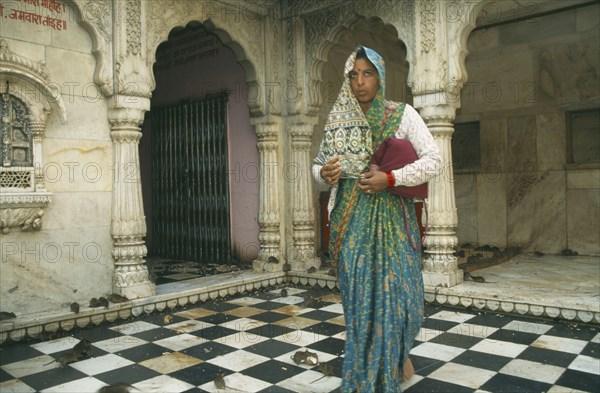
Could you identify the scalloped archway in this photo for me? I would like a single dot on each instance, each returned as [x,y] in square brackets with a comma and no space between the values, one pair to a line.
[192,65]
[227,39]
[321,54]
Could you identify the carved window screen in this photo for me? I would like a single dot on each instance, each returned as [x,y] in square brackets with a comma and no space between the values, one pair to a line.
[23,117]
[16,151]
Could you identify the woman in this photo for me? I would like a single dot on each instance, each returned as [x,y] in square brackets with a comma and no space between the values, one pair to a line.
[379,270]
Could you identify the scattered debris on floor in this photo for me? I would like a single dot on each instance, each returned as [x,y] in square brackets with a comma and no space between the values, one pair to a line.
[471,258]
[161,268]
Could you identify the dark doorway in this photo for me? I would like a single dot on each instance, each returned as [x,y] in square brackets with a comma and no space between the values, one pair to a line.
[190,198]
[197,159]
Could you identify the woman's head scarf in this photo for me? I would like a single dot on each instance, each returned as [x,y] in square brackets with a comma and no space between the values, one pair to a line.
[347,132]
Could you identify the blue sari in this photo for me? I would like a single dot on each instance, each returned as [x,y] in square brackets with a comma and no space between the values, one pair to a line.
[379,271]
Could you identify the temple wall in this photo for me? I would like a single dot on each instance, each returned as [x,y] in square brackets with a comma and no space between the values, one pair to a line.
[69,258]
[524,78]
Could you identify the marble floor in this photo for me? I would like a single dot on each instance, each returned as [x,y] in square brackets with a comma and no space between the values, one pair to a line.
[250,339]
[549,285]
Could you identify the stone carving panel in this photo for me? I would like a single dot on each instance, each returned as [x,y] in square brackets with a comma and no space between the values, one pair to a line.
[134,26]
[427,24]
[27,213]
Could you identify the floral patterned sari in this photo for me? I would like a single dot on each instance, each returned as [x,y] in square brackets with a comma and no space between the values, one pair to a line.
[379,272]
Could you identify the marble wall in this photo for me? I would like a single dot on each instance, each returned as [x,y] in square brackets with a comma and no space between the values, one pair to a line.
[583,208]
[69,259]
[524,77]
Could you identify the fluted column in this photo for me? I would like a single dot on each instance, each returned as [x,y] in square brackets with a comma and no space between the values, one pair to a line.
[303,215]
[269,219]
[128,226]
[440,263]
[38,129]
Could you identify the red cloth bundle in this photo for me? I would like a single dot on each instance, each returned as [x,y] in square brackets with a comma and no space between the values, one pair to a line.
[394,154]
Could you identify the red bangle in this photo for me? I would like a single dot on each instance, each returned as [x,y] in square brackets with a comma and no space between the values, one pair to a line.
[391,180]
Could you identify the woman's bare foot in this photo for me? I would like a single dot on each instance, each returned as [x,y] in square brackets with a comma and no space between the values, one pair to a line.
[409,370]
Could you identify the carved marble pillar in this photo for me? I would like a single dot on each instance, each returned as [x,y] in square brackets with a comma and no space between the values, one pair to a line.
[440,264]
[128,226]
[303,214]
[38,129]
[433,84]
[269,219]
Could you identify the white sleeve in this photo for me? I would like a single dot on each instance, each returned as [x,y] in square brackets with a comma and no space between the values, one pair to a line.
[316,172]
[429,164]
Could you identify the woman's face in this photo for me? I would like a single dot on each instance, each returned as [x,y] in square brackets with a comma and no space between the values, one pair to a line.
[364,82]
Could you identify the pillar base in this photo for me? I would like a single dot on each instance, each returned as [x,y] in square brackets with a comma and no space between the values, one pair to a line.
[136,291]
[305,264]
[447,280]
[259,265]
[132,281]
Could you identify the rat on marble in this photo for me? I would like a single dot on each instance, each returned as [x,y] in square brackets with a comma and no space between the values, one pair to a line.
[306,357]
[220,383]
[326,369]
[117,388]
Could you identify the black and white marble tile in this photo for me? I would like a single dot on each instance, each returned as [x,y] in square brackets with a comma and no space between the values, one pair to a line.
[251,339]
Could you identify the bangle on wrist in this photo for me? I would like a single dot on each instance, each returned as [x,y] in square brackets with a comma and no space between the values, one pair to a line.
[390,178]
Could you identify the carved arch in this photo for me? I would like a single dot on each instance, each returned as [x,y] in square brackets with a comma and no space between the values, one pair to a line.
[457,53]
[322,49]
[229,38]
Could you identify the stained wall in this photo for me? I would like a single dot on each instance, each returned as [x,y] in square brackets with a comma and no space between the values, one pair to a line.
[524,78]
[69,259]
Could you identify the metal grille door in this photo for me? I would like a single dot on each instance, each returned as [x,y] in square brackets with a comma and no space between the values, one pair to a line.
[190,192]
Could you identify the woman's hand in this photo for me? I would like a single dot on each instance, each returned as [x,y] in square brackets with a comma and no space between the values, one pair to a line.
[373,181]
[332,171]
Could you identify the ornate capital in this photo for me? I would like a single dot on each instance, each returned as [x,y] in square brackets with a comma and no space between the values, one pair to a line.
[301,132]
[38,128]
[133,76]
[126,136]
[301,137]
[267,131]
[127,111]
[433,109]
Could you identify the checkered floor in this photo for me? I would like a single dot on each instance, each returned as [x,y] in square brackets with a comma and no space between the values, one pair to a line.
[251,340]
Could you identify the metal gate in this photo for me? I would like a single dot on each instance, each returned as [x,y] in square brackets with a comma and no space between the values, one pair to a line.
[190,194]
